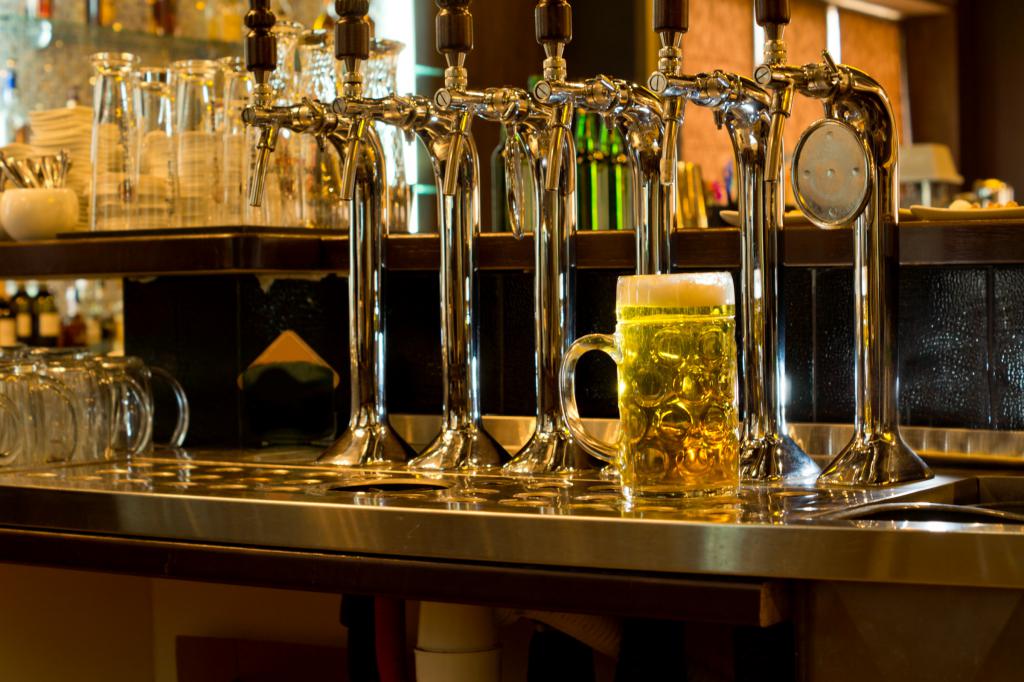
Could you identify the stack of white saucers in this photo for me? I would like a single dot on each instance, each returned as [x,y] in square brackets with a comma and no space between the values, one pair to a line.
[70,129]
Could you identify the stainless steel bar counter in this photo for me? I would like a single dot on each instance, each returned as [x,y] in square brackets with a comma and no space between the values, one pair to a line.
[271,517]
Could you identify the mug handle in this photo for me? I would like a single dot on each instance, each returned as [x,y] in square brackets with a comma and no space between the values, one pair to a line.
[181,428]
[62,393]
[567,380]
[121,415]
[145,412]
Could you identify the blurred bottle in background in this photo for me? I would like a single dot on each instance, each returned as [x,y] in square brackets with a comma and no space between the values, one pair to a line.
[47,318]
[21,305]
[8,326]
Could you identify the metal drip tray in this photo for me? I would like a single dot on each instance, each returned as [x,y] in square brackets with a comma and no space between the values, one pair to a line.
[226,475]
[982,499]
[283,500]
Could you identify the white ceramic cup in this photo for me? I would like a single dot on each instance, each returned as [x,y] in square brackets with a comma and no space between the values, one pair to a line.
[38,213]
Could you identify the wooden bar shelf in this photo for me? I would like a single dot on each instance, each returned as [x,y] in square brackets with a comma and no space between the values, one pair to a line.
[233,250]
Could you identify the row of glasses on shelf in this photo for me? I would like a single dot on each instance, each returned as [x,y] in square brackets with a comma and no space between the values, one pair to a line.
[169,148]
[67,404]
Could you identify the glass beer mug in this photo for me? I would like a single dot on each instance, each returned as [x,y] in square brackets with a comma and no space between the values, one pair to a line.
[675,350]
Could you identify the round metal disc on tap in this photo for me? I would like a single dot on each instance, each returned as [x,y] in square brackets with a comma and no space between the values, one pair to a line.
[831,173]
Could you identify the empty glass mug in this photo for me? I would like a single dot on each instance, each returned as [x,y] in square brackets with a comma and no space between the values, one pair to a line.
[675,350]
[82,378]
[48,424]
[129,382]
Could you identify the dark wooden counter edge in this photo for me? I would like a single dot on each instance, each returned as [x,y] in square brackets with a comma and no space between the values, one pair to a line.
[746,602]
[921,243]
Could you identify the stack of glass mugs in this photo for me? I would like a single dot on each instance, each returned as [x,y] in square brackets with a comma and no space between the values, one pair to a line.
[61,405]
[169,148]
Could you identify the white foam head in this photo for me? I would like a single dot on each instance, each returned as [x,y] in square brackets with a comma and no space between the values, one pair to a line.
[680,290]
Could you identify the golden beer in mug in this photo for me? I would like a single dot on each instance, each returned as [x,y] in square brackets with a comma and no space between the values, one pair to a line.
[675,349]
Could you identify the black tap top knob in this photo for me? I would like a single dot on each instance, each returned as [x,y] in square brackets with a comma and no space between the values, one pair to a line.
[671,16]
[352,32]
[260,43]
[454,27]
[774,12]
[553,19]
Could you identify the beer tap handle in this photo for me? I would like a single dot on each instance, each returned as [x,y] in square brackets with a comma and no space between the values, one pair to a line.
[671,16]
[553,20]
[454,39]
[553,25]
[352,48]
[773,17]
[771,13]
[352,37]
[261,60]
[671,22]
[260,44]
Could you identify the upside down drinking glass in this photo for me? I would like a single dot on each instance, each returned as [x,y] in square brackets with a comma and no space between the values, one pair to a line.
[675,350]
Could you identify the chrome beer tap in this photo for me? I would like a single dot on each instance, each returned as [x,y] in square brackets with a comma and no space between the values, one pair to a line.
[463,441]
[846,170]
[551,448]
[369,438]
[767,452]
[638,114]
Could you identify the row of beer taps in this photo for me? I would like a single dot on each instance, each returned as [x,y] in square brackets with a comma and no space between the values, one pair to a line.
[753,112]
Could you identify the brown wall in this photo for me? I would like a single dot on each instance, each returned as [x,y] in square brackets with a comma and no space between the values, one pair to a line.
[721,37]
[933,80]
[875,46]
[991,98]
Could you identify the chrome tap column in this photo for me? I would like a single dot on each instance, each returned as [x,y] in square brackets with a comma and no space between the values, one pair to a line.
[551,449]
[463,441]
[767,453]
[369,438]
[859,132]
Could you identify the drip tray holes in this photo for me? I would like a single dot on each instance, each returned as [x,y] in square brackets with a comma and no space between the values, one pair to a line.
[390,485]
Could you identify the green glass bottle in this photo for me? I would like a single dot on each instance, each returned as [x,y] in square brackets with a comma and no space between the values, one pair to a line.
[584,185]
[620,183]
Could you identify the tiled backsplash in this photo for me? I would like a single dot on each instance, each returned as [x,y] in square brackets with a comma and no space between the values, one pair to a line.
[961,342]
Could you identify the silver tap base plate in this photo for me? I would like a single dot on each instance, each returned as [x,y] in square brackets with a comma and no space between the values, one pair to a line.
[461,449]
[552,452]
[878,460]
[776,459]
[374,445]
